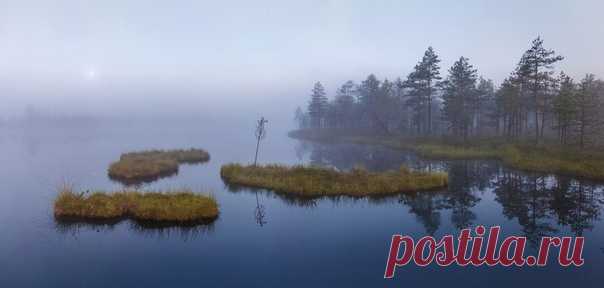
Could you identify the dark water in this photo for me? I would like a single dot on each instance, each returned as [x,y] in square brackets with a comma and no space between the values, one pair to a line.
[263,239]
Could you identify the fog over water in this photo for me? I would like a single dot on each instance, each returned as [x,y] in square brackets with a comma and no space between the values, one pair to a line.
[245,58]
[82,82]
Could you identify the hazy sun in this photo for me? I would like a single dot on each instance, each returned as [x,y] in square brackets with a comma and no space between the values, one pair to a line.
[91,74]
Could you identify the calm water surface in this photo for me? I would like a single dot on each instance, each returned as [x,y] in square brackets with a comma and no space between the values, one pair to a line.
[263,239]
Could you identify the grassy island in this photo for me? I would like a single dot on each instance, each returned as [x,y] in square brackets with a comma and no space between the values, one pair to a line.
[153,164]
[524,156]
[317,181]
[179,206]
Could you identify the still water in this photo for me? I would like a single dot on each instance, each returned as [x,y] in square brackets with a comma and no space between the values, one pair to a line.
[263,239]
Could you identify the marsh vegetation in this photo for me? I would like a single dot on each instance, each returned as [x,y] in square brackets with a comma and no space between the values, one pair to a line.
[313,181]
[144,166]
[181,206]
[545,158]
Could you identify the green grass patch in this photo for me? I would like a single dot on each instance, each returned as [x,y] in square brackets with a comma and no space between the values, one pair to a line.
[149,165]
[317,181]
[177,206]
[523,156]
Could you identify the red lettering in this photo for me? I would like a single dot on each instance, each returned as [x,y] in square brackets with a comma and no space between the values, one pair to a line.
[464,237]
[419,251]
[490,257]
[511,251]
[546,242]
[475,258]
[446,257]
[393,259]
[576,257]
[519,246]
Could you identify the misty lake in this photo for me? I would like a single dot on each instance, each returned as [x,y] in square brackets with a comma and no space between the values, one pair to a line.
[265,239]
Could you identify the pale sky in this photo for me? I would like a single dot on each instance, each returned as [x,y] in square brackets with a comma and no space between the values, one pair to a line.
[89,54]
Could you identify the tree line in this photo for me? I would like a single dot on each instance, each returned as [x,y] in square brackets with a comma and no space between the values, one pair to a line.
[535,102]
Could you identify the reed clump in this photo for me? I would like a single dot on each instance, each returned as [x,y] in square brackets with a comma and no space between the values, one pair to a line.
[152,164]
[174,206]
[316,181]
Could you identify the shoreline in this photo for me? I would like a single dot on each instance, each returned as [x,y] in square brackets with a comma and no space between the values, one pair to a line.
[542,159]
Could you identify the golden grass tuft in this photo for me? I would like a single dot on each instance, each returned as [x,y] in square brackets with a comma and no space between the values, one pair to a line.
[179,206]
[317,181]
[152,164]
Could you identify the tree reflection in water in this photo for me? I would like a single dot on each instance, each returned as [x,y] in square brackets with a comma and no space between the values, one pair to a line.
[541,204]
[426,207]
[259,212]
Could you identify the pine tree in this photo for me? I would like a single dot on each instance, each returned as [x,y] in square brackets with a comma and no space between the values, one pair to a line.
[317,108]
[588,102]
[564,107]
[385,109]
[344,104]
[421,84]
[536,67]
[399,95]
[458,90]
[368,91]
[368,95]
[509,106]
[431,74]
[415,98]
[483,102]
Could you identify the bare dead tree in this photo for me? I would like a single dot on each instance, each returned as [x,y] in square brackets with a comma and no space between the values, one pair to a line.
[260,134]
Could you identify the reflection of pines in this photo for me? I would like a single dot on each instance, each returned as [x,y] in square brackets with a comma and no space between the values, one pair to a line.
[587,208]
[577,205]
[538,197]
[536,200]
[347,156]
[460,197]
[523,198]
[464,177]
[426,207]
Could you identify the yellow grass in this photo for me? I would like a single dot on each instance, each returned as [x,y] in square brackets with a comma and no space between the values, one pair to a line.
[180,206]
[148,165]
[316,181]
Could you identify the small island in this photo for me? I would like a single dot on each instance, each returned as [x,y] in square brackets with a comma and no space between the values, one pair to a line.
[145,166]
[170,207]
[317,181]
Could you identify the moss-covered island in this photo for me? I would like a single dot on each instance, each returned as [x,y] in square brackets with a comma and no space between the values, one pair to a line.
[317,181]
[542,158]
[149,165]
[176,207]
